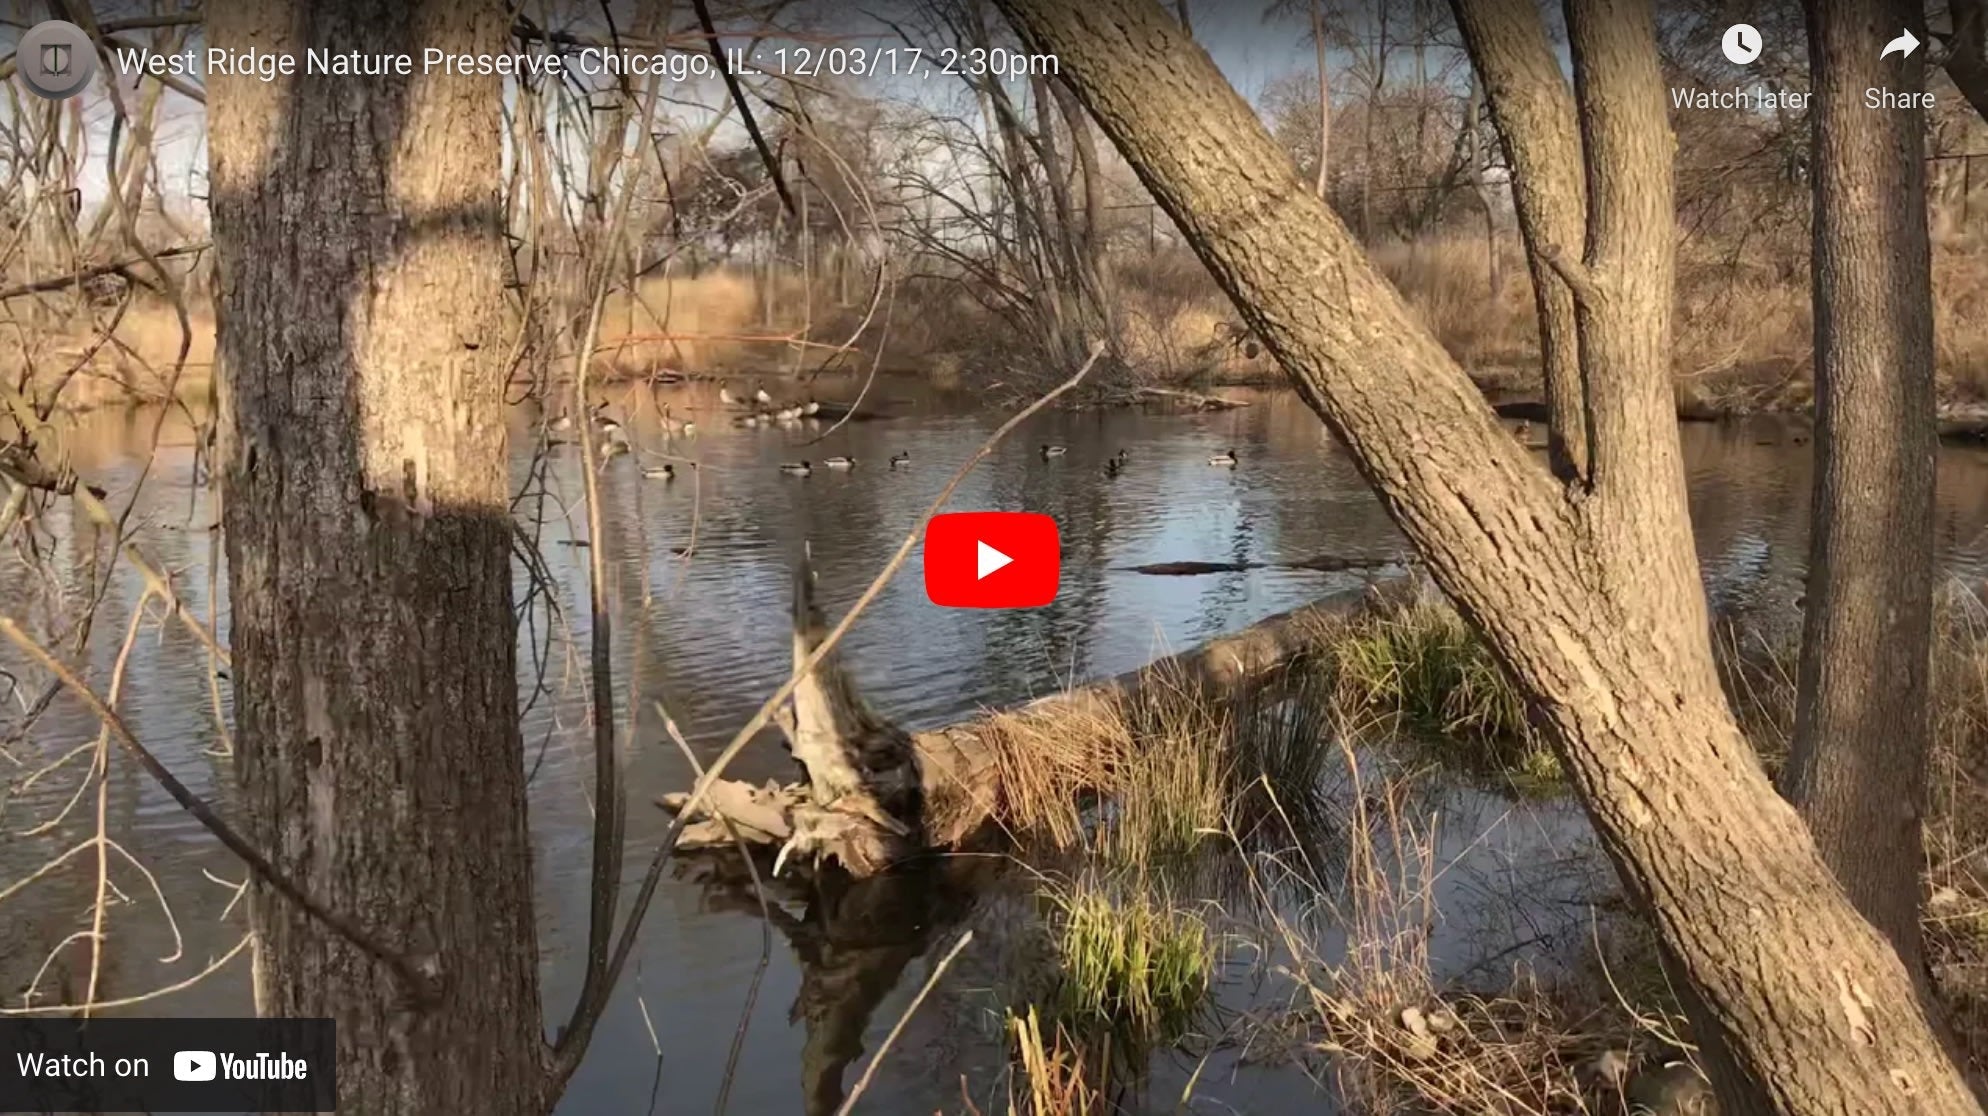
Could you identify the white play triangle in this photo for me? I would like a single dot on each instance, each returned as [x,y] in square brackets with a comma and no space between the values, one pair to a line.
[990,560]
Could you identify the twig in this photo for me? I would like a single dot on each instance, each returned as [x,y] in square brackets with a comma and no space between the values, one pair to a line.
[765,920]
[609,807]
[57,282]
[421,983]
[869,1071]
[572,1044]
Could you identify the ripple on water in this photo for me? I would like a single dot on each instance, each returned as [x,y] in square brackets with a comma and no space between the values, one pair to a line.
[712,642]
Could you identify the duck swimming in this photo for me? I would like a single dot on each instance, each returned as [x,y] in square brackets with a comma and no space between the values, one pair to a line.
[840,463]
[664,471]
[797,468]
[900,460]
[1227,458]
[1049,450]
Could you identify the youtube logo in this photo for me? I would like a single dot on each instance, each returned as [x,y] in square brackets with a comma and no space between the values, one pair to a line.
[992,560]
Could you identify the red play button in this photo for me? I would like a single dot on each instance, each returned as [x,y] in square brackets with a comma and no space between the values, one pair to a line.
[992,560]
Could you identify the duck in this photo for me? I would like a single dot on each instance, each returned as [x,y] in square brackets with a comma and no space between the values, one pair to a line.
[1049,451]
[665,471]
[900,460]
[840,463]
[1226,458]
[797,468]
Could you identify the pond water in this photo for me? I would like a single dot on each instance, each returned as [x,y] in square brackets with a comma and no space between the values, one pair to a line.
[707,636]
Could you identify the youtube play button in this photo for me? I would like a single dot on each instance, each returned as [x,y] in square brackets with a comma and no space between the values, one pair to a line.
[992,560]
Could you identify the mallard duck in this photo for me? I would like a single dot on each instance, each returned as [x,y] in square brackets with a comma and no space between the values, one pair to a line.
[900,460]
[1227,458]
[840,463]
[665,471]
[1049,450]
[797,468]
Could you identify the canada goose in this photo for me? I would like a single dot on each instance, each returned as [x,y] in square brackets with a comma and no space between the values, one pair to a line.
[1049,451]
[746,420]
[609,427]
[561,424]
[812,409]
[1227,458]
[763,397]
[1523,430]
[674,425]
[1115,464]
[726,397]
[787,414]
[612,449]
[797,468]
[900,460]
[840,463]
[665,471]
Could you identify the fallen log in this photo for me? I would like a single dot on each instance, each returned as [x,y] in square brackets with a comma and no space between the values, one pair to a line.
[1193,399]
[877,794]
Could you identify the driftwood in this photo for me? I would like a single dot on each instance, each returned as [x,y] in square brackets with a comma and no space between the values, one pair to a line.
[1193,399]
[876,794]
[1321,563]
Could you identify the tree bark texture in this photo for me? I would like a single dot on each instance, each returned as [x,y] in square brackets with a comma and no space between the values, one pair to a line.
[363,331]
[1534,113]
[1589,593]
[1862,722]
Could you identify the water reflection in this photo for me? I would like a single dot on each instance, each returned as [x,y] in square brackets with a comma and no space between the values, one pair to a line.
[707,636]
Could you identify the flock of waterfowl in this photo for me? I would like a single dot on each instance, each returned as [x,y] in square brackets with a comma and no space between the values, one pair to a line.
[763,410]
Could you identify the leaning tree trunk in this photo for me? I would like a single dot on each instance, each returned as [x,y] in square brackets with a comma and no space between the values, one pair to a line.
[1588,591]
[1863,726]
[364,329]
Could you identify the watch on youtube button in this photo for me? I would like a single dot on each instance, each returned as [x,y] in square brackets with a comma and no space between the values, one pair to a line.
[992,560]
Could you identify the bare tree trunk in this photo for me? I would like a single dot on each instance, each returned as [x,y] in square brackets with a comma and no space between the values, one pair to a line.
[363,327]
[1862,722]
[1534,112]
[1481,190]
[1589,593]
[1967,59]
[1324,97]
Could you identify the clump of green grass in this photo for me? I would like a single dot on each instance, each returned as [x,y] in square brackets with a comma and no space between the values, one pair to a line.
[1410,668]
[1134,971]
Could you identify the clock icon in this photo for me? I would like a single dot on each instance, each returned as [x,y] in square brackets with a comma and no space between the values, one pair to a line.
[1741,44]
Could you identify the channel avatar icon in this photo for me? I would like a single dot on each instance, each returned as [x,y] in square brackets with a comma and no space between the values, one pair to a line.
[992,560]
